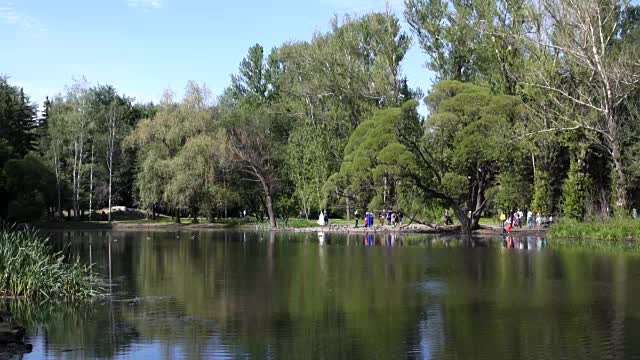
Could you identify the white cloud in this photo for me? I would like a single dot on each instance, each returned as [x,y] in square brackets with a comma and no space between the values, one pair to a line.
[11,15]
[155,4]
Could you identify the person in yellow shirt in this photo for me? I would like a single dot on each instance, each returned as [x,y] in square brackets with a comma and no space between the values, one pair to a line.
[503,218]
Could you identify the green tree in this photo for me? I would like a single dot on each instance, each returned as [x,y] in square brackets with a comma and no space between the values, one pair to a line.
[541,193]
[595,73]
[308,166]
[33,187]
[257,151]
[474,40]
[167,166]
[375,162]
[71,129]
[17,119]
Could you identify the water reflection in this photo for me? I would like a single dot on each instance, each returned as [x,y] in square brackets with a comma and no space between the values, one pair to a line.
[247,294]
[524,243]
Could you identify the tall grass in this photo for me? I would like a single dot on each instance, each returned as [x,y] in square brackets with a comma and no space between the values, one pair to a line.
[30,269]
[604,229]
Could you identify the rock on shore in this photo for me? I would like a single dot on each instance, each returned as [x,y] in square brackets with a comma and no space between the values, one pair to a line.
[11,337]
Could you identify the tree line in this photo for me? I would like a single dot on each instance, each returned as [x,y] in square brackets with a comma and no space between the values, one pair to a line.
[535,105]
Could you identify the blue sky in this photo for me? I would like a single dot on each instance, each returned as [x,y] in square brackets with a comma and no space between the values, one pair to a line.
[145,46]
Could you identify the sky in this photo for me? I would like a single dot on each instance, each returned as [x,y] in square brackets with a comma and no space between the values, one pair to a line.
[143,47]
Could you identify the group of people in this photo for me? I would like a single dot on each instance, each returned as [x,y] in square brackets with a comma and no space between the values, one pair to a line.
[392,218]
[516,219]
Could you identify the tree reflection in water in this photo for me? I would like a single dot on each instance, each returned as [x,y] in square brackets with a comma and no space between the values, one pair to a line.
[355,296]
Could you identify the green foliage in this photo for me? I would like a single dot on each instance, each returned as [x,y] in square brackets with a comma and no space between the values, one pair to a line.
[308,166]
[332,122]
[466,144]
[30,269]
[178,164]
[32,186]
[461,39]
[375,160]
[575,192]
[17,119]
[514,191]
[541,193]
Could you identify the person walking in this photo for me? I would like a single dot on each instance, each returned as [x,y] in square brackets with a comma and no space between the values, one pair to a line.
[357,216]
[530,218]
[503,218]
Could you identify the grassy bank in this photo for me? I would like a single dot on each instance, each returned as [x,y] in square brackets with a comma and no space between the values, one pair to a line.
[303,223]
[30,269]
[606,229]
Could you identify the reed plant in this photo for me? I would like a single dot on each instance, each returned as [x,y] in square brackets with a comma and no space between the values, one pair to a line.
[30,269]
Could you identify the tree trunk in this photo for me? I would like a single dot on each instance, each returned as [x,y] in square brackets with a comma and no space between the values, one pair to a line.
[58,187]
[177,216]
[109,194]
[91,185]
[272,217]
[348,210]
[75,177]
[465,222]
[621,182]
[224,183]
[78,174]
[194,214]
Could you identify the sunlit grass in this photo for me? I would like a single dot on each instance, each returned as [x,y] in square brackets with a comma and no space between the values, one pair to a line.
[605,229]
[304,223]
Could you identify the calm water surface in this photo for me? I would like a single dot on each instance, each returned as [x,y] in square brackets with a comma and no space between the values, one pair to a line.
[234,294]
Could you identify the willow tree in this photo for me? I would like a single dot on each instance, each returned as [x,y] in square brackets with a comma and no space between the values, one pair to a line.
[162,142]
[339,77]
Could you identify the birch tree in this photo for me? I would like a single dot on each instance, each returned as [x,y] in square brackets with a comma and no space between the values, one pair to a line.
[79,130]
[596,75]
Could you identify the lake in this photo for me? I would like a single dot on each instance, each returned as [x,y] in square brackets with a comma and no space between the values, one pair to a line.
[232,294]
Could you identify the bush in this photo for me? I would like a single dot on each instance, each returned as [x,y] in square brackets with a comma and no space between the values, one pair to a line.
[30,269]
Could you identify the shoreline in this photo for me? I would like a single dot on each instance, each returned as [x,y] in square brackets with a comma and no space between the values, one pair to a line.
[405,229]
[415,229]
